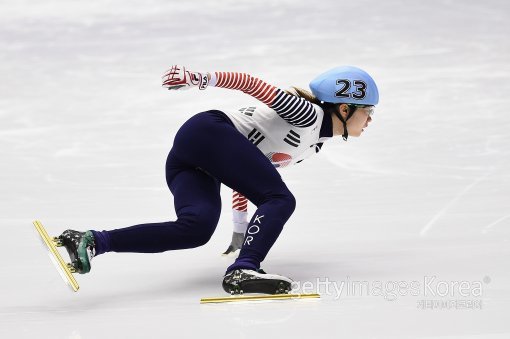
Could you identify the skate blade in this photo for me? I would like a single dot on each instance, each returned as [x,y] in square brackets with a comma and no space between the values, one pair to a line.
[237,298]
[63,269]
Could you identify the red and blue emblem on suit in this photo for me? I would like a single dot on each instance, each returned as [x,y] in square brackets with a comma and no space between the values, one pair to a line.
[279,159]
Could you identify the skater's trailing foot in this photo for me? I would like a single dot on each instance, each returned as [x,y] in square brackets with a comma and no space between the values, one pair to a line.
[81,249]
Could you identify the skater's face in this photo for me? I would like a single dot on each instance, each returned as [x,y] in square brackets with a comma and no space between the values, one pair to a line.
[359,120]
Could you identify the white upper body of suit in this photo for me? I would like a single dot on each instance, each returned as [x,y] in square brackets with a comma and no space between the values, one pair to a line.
[287,129]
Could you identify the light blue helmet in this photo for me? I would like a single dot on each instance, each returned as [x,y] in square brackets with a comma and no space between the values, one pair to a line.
[345,84]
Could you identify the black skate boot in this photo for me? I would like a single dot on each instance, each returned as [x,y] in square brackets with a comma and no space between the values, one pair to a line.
[81,249]
[250,281]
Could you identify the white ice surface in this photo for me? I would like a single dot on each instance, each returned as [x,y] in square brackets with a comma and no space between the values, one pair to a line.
[85,128]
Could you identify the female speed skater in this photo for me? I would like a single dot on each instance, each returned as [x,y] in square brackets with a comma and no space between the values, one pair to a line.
[240,149]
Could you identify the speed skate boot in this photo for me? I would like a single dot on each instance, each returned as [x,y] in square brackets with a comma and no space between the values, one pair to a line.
[249,281]
[81,248]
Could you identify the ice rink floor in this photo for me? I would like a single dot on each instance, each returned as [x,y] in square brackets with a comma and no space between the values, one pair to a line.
[404,231]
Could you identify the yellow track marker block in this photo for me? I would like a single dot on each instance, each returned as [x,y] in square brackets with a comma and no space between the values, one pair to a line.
[63,268]
[258,298]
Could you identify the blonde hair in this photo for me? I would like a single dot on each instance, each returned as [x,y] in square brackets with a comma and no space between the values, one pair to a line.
[303,93]
[327,107]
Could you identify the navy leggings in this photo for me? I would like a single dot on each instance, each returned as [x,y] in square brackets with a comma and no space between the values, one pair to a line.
[208,150]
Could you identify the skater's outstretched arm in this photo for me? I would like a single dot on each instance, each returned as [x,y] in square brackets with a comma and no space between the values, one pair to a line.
[240,220]
[295,110]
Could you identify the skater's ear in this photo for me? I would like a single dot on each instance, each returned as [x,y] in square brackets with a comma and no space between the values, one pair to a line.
[344,110]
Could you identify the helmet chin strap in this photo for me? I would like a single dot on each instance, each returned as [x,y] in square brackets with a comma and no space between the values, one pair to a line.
[344,121]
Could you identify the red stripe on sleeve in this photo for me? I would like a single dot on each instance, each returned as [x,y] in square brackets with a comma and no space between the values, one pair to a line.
[239,202]
[255,87]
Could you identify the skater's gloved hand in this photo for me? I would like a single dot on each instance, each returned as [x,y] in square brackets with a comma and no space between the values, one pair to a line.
[178,77]
[235,244]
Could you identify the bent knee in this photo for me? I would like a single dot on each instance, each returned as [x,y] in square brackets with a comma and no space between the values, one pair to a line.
[288,201]
[201,239]
[281,195]
[197,234]
[284,199]
[200,226]
[291,201]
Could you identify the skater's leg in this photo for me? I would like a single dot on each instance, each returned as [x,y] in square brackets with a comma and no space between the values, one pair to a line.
[216,146]
[197,204]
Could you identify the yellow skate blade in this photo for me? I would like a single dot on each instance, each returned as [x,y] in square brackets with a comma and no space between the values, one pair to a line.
[237,298]
[56,258]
